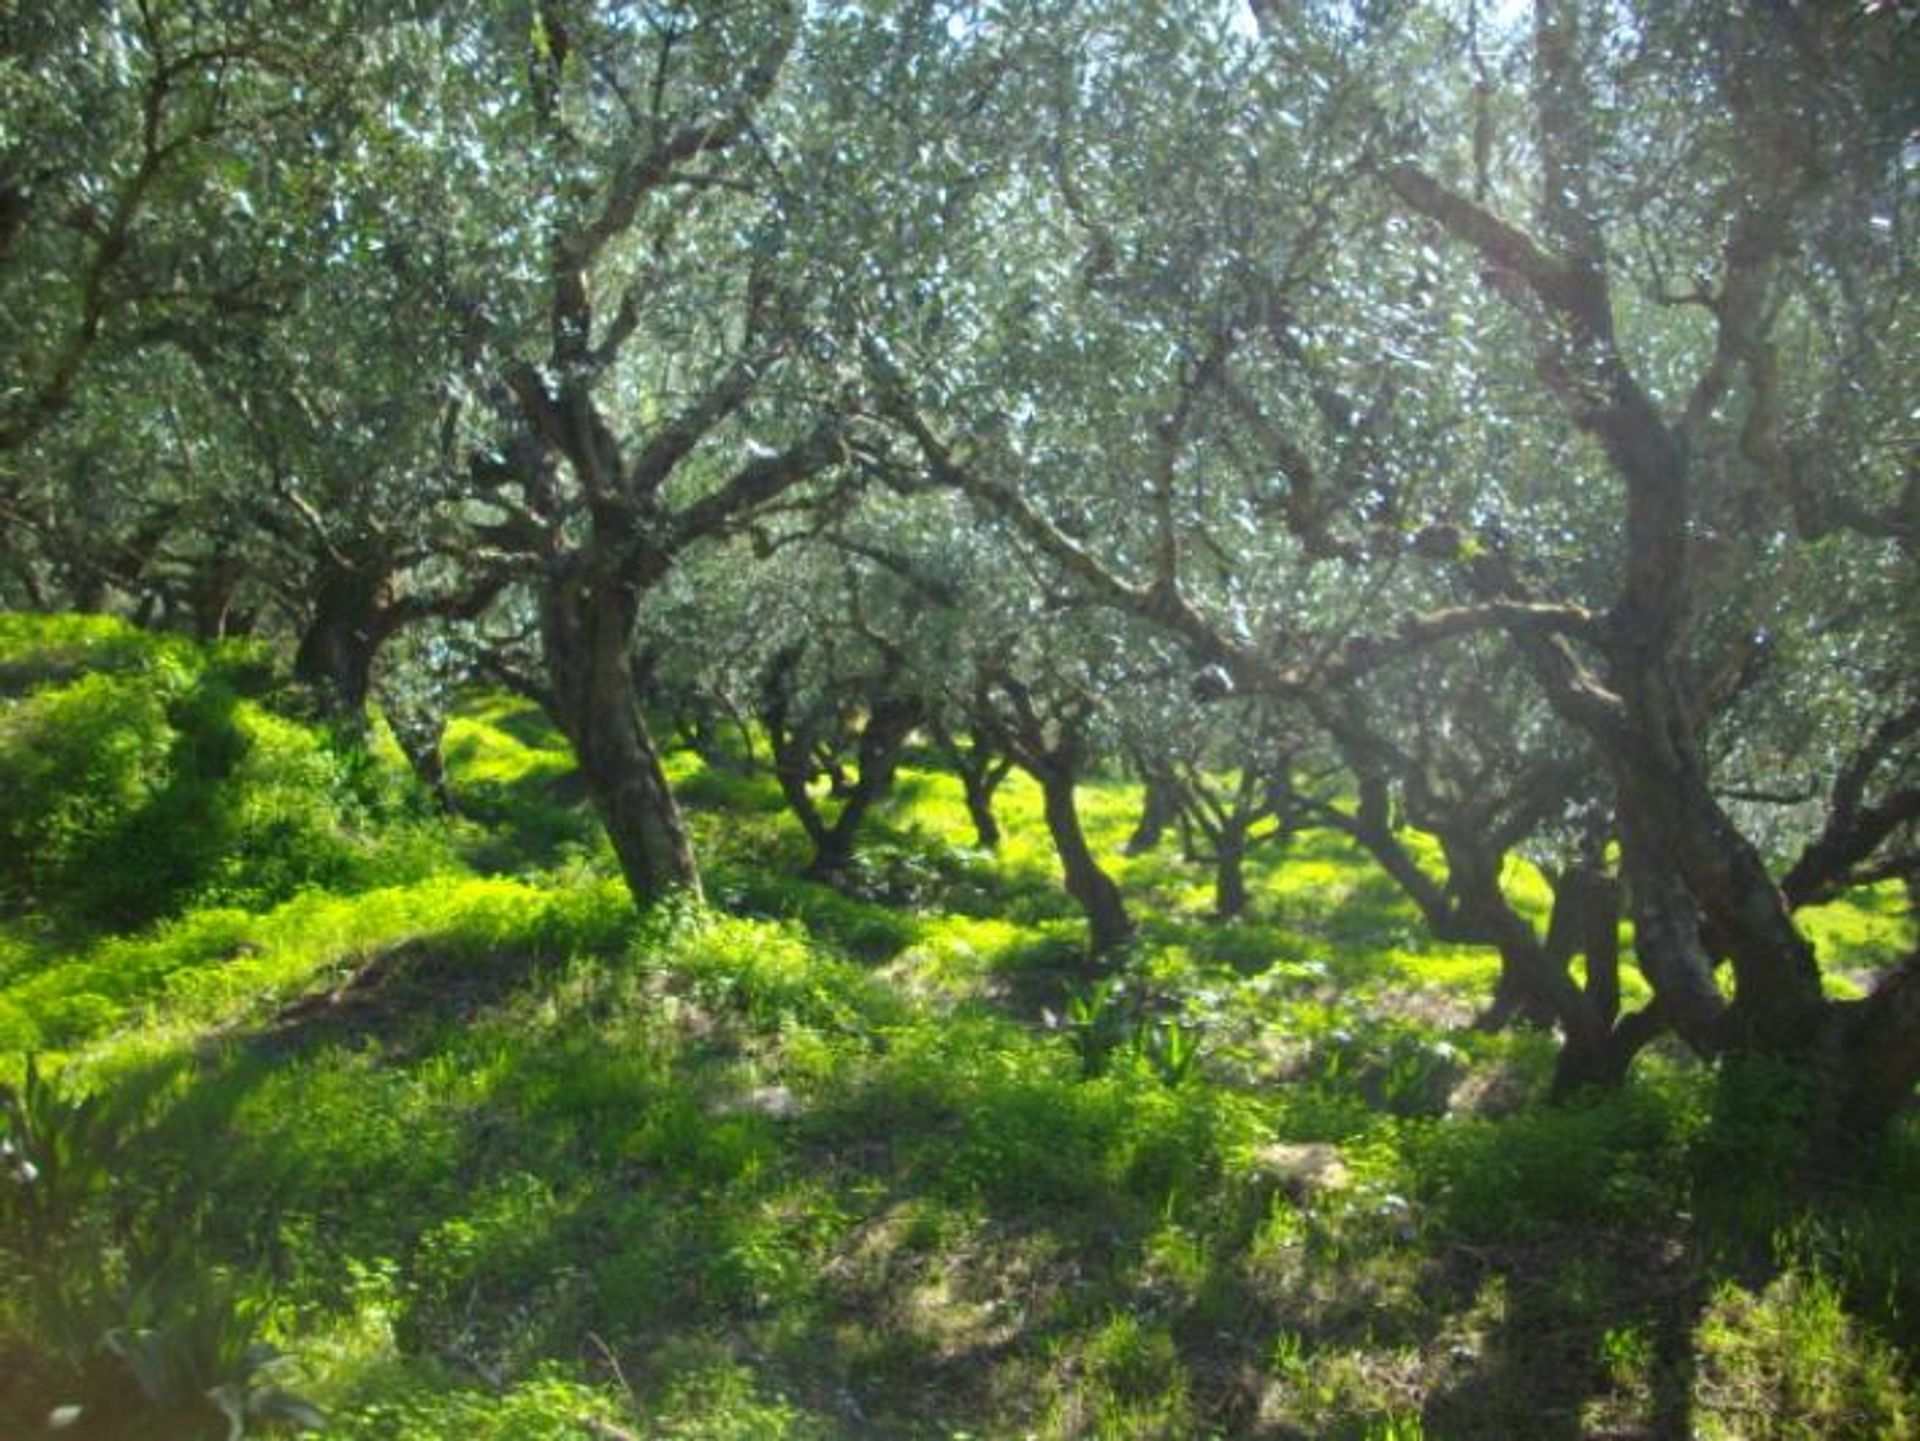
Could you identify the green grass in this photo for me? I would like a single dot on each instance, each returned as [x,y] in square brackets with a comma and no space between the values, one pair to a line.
[1860,935]
[216,967]
[490,1155]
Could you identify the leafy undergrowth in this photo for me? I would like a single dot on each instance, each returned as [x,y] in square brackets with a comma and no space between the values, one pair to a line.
[479,1153]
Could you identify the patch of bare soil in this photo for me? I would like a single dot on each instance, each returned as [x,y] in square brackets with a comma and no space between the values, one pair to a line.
[393,994]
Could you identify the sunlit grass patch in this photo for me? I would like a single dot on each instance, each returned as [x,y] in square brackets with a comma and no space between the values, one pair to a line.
[501,1243]
[1248,946]
[1613,1161]
[1124,1378]
[1109,809]
[354,1138]
[1166,881]
[1317,888]
[499,737]
[955,955]
[770,974]
[982,1112]
[1787,1359]
[704,1393]
[1862,932]
[1026,855]
[128,795]
[717,788]
[933,802]
[864,928]
[430,1402]
[510,1158]
[1464,970]
[216,966]
[1527,889]
[38,649]
[1342,1390]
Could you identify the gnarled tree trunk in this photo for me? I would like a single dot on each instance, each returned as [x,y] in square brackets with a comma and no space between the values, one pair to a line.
[981,769]
[586,622]
[1230,876]
[342,639]
[1109,926]
[1160,807]
[889,722]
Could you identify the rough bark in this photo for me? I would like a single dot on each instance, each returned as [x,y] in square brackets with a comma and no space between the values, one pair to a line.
[1046,738]
[1692,863]
[890,721]
[1230,877]
[1689,861]
[981,768]
[1226,819]
[1470,907]
[1873,1050]
[586,629]
[1160,808]
[979,787]
[1859,824]
[808,742]
[419,734]
[1109,926]
[342,638]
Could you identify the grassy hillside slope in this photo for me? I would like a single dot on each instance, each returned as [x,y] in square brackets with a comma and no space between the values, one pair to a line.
[421,1104]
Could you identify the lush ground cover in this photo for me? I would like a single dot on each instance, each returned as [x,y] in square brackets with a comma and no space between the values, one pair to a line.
[420,1104]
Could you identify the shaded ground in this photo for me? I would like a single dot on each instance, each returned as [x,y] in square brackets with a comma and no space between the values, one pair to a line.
[394,999]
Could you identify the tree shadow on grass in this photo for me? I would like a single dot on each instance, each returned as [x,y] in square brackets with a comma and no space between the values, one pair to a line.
[1592,1336]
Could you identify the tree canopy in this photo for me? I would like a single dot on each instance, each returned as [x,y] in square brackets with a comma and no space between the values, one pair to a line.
[1482,418]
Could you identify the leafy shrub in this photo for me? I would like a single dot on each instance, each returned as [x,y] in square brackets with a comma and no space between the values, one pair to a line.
[1099,1019]
[1172,1048]
[737,792]
[56,1151]
[1111,1017]
[76,763]
[503,1241]
[1397,1068]
[769,974]
[190,1339]
[218,964]
[126,794]
[181,1328]
[39,650]
[1752,1146]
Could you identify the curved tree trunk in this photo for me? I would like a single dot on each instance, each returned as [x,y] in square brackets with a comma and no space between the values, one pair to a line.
[979,787]
[1690,869]
[1873,1056]
[1160,808]
[1686,837]
[1516,1002]
[1109,926]
[419,735]
[586,631]
[889,723]
[981,769]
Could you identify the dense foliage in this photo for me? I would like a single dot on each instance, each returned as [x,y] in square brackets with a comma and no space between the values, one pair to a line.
[776,553]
